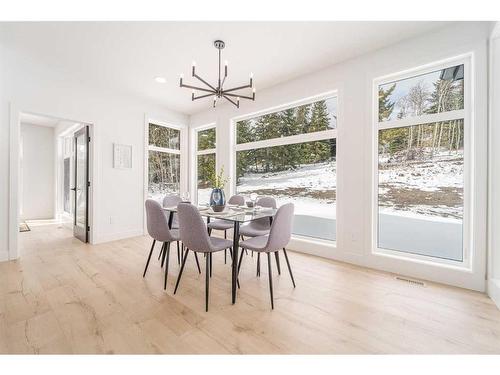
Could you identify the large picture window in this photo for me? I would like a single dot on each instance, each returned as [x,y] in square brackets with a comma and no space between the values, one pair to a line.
[164,156]
[420,142]
[205,163]
[291,156]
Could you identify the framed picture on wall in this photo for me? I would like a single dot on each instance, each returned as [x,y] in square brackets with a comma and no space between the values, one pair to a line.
[122,156]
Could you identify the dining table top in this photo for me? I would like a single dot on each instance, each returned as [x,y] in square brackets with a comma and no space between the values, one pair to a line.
[233,213]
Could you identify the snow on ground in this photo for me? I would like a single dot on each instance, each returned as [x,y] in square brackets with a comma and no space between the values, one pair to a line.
[321,176]
[431,188]
[312,188]
[404,188]
[444,170]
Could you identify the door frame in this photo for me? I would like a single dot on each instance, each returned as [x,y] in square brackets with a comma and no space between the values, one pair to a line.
[15,111]
[84,130]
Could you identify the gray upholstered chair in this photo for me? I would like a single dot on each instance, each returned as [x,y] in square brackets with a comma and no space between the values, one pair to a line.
[157,225]
[260,227]
[172,200]
[194,235]
[224,225]
[279,236]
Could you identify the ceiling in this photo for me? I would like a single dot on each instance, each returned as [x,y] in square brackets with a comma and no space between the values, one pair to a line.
[28,118]
[127,56]
[47,121]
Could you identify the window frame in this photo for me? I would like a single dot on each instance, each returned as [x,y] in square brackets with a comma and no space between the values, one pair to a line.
[182,152]
[283,141]
[210,151]
[468,193]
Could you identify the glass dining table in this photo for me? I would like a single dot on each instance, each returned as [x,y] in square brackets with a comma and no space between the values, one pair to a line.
[237,215]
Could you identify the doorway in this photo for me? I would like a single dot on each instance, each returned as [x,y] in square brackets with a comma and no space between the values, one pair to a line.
[50,177]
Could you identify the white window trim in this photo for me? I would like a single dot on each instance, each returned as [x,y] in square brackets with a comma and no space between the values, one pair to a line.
[289,140]
[194,164]
[164,149]
[183,152]
[281,141]
[465,114]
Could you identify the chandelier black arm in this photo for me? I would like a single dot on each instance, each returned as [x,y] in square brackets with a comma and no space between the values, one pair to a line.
[238,96]
[205,82]
[228,99]
[238,88]
[198,88]
[201,96]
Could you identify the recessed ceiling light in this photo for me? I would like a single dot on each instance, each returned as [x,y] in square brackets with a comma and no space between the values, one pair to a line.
[160,79]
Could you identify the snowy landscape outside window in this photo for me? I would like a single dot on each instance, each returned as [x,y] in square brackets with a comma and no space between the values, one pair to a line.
[205,163]
[291,156]
[421,164]
[163,161]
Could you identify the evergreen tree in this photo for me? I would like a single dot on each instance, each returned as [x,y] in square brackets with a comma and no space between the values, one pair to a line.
[320,121]
[385,105]
[245,132]
[289,126]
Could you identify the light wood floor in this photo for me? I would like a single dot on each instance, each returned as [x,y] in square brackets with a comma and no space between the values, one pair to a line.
[63,296]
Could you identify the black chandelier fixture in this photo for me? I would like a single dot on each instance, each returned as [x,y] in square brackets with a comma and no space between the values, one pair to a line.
[219,91]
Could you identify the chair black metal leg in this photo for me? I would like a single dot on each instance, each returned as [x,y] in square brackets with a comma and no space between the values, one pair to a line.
[225,234]
[166,266]
[210,256]
[239,266]
[289,268]
[161,253]
[197,262]
[238,271]
[209,231]
[234,262]
[270,279]
[164,254]
[208,269]
[180,272]
[276,255]
[149,258]
[258,264]
[243,239]
[178,254]
[239,262]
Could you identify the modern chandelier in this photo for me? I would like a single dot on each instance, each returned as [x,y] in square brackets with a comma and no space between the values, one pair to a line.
[219,91]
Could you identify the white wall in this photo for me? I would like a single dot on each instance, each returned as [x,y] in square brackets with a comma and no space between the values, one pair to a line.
[118,194]
[4,160]
[37,172]
[354,80]
[494,169]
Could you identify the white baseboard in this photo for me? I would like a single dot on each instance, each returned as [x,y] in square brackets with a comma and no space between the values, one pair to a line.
[430,272]
[117,236]
[4,256]
[494,291]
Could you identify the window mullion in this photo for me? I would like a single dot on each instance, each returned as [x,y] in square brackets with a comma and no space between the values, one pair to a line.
[424,119]
[163,149]
[290,140]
